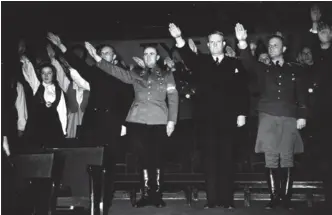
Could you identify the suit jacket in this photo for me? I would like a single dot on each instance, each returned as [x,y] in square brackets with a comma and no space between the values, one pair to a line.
[149,106]
[222,91]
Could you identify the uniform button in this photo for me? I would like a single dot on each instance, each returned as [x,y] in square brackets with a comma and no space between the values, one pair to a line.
[149,86]
[149,93]
[149,82]
[148,98]
[279,84]
[278,91]
[279,76]
[278,97]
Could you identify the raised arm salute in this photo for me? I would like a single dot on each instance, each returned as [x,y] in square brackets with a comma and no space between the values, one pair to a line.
[150,120]
[222,104]
[282,108]
[105,112]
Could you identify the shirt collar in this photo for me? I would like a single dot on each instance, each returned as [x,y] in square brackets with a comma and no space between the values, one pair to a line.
[281,62]
[220,57]
[47,85]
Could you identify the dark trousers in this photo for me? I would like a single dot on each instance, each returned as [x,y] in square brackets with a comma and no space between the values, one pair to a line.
[102,127]
[218,163]
[146,142]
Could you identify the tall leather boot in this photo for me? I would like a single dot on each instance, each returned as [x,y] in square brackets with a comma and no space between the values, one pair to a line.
[158,198]
[144,200]
[273,182]
[287,187]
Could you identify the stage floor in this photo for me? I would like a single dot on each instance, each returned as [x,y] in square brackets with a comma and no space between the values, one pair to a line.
[178,207]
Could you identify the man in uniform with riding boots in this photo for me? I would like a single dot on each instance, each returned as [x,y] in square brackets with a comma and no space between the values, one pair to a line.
[149,119]
[282,109]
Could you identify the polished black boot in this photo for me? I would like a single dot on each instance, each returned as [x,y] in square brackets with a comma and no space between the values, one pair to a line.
[287,187]
[273,182]
[144,200]
[158,198]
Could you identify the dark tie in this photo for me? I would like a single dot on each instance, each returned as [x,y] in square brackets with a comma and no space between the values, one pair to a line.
[217,61]
[149,71]
[278,64]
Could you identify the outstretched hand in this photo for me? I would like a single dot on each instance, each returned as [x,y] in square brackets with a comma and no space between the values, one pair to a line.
[192,45]
[139,62]
[91,50]
[54,39]
[240,32]
[174,30]
[169,62]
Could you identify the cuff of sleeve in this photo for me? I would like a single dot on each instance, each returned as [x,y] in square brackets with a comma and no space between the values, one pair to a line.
[242,44]
[180,42]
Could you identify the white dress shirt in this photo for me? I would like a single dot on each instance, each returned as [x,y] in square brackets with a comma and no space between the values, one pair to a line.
[220,57]
[49,93]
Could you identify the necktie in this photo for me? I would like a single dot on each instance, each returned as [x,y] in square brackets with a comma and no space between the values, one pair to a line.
[217,61]
[149,71]
[278,64]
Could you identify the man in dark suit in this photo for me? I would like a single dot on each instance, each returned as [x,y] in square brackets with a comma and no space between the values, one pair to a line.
[222,105]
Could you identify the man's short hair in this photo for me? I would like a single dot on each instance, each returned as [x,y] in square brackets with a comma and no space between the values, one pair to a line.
[151,46]
[218,33]
[278,36]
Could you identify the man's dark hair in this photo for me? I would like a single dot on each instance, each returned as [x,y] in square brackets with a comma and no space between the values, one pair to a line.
[151,46]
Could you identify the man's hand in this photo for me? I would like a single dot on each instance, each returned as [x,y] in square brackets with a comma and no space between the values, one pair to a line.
[174,30]
[241,120]
[230,52]
[139,62]
[54,39]
[92,51]
[300,123]
[169,62]
[170,128]
[192,45]
[240,32]
[123,130]
[5,145]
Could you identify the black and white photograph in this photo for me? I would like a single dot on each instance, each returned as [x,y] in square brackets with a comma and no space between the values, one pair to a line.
[166,107]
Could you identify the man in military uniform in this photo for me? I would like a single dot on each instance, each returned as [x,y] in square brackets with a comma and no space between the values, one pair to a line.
[281,102]
[221,106]
[150,119]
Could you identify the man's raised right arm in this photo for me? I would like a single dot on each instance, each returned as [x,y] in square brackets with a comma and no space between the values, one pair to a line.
[251,64]
[188,51]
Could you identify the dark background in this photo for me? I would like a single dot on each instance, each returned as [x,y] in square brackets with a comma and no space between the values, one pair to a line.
[133,20]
